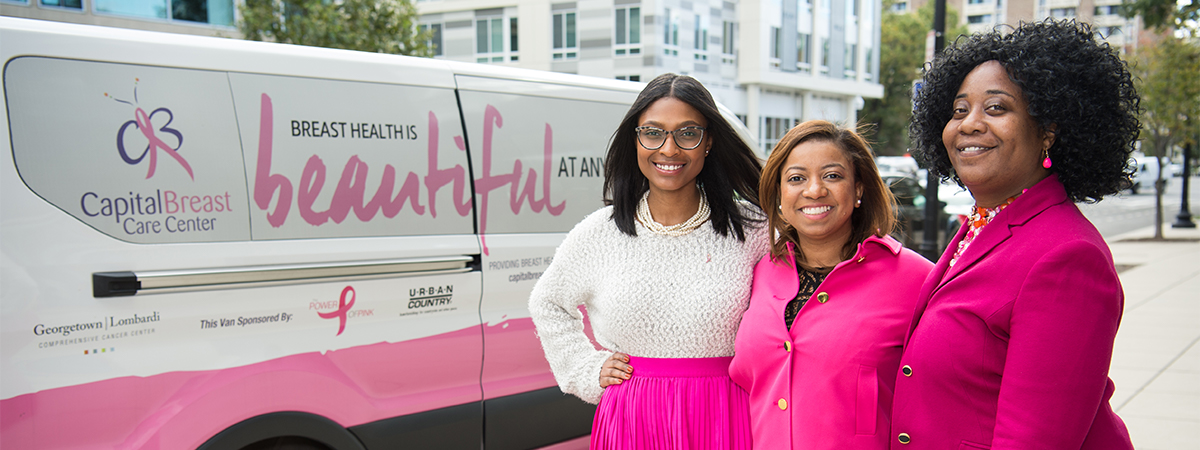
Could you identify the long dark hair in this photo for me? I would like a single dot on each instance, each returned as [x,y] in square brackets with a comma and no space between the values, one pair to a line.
[873,217]
[730,169]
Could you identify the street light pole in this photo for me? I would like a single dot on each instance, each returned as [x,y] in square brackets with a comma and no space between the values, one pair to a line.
[1184,219]
[929,245]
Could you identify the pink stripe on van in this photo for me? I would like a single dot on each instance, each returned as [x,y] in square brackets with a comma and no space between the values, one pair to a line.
[180,410]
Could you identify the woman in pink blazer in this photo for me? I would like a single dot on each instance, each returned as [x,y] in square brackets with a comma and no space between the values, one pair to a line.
[829,306]
[1011,340]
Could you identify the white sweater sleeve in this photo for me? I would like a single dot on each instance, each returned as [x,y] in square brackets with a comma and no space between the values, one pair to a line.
[554,306]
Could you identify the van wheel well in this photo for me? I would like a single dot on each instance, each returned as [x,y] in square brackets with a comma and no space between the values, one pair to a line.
[286,443]
[287,430]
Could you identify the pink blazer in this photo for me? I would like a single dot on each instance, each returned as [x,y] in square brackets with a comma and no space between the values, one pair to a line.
[1010,348]
[827,382]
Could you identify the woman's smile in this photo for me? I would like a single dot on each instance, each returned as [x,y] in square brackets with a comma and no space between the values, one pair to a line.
[815,211]
[818,193]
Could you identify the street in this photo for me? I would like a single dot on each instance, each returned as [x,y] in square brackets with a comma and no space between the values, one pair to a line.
[1127,212]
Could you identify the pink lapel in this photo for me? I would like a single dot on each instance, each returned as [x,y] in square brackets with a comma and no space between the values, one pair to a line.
[1044,194]
[785,283]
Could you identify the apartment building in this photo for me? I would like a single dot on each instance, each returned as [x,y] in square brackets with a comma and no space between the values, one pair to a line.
[199,17]
[773,62]
[984,15]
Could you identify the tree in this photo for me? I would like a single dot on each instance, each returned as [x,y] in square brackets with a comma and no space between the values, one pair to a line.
[1168,77]
[378,26]
[902,44]
[1164,14]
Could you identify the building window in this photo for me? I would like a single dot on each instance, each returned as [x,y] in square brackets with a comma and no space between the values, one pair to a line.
[803,53]
[975,2]
[490,40]
[1060,13]
[700,38]
[777,49]
[773,129]
[435,37]
[565,44]
[851,60]
[512,38]
[670,33]
[630,77]
[1110,32]
[213,12]
[824,54]
[489,45]
[1108,10]
[728,33]
[72,4]
[629,31]
[981,18]
[899,7]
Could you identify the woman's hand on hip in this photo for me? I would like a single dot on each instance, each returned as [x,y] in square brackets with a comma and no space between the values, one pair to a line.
[615,370]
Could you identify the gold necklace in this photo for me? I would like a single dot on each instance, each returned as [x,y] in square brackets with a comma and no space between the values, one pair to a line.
[643,216]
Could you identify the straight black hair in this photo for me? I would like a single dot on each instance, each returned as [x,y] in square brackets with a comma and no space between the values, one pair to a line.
[730,170]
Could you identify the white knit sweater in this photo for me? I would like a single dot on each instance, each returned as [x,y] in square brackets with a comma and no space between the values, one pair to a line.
[652,296]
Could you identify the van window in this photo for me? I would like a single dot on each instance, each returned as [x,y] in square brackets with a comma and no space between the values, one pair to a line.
[151,154]
[551,168]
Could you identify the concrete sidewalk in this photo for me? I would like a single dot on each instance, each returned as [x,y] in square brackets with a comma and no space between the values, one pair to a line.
[1156,359]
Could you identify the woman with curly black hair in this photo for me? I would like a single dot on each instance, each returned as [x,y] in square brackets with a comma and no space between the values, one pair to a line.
[1010,345]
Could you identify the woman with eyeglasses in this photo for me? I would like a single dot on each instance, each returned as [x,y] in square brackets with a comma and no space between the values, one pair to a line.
[664,272]
[820,344]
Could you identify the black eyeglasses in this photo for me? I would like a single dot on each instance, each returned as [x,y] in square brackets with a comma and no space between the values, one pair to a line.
[686,138]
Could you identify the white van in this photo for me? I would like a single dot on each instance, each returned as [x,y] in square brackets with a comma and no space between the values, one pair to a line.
[1146,171]
[222,244]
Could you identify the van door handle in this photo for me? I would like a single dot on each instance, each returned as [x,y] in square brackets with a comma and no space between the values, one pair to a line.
[118,284]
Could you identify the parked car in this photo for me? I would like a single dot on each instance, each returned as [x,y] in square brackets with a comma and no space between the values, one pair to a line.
[904,164]
[910,205]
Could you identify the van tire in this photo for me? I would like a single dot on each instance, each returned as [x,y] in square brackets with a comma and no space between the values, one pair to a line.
[300,429]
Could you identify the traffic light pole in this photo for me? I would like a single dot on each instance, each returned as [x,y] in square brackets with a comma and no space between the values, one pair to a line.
[929,245]
[1184,219]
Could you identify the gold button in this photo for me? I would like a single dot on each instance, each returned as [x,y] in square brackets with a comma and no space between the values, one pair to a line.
[782,404]
[861,259]
[906,370]
[903,438]
[787,346]
[823,297]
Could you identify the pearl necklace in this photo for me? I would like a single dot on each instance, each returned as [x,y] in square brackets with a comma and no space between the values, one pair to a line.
[643,216]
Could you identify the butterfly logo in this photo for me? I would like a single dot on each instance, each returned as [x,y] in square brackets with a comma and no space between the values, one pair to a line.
[153,135]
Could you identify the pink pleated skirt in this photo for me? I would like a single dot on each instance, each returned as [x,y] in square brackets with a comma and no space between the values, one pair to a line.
[674,404]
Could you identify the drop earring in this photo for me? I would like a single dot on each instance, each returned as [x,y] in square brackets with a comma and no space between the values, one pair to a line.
[1046,163]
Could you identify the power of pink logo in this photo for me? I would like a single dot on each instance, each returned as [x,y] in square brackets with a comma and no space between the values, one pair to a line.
[145,124]
[345,302]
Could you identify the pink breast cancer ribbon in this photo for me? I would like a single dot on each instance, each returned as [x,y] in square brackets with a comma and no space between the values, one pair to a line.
[147,128]
[343,308]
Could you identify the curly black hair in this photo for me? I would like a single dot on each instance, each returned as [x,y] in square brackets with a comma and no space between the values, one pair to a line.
[1077,87]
